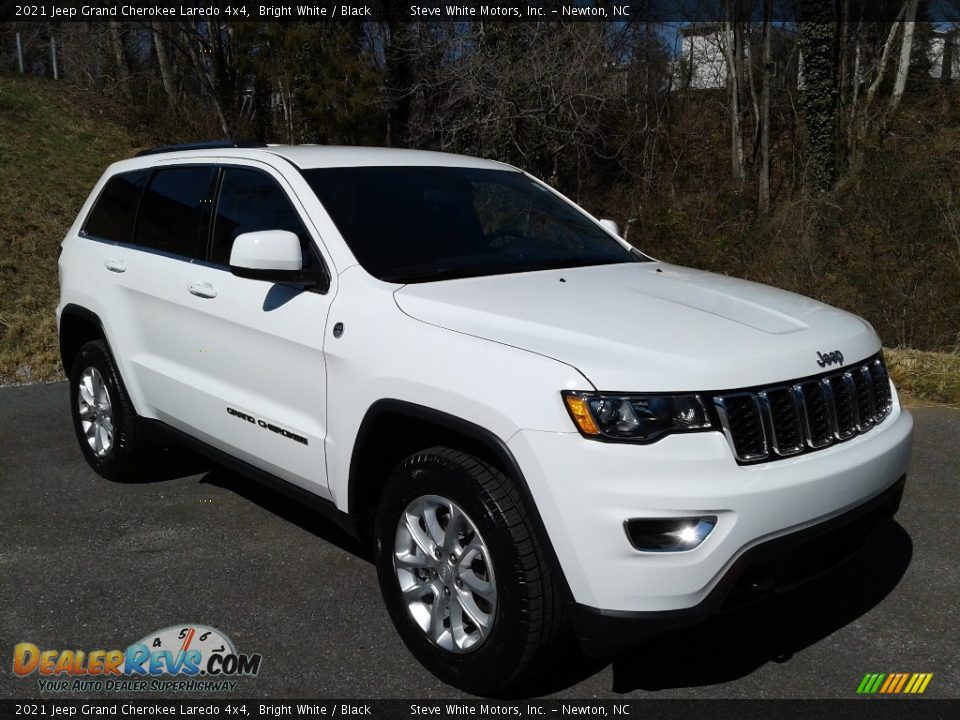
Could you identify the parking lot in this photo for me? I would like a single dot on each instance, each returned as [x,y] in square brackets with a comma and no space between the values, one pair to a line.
[90,564]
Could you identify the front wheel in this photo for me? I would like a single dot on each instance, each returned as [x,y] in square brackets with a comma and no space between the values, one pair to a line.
[462,573]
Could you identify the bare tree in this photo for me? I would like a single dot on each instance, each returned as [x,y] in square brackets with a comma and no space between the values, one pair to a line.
[906,48]
[119,54]
[819,97]
[192,43]
[763,121]
[163,64]
[733,52]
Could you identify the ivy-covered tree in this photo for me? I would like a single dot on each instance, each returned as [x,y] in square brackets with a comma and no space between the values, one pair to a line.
[818,100]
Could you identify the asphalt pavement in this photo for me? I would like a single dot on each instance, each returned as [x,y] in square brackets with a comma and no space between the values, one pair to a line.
[90,564]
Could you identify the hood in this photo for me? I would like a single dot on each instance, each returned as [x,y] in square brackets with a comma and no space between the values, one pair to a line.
[648,326]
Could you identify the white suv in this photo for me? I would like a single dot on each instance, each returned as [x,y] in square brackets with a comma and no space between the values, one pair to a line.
[534,424]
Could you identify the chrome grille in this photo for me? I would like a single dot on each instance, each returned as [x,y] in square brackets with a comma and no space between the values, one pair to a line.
[844,405]
[791,418]
[783,416]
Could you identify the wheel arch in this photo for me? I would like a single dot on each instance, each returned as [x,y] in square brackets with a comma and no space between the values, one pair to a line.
[78,325]
[392,430]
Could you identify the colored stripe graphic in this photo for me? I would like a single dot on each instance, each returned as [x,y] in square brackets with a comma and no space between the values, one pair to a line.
[894,683]
[903,681]
[870,683]
[923,679]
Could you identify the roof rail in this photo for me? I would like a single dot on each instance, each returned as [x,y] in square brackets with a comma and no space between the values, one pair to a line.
[204,145]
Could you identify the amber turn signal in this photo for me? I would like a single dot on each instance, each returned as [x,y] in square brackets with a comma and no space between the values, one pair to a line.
[581,414]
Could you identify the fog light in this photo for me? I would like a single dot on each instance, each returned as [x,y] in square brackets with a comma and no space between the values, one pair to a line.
[669,534]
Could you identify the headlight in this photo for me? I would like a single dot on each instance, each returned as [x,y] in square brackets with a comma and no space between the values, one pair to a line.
[636,418]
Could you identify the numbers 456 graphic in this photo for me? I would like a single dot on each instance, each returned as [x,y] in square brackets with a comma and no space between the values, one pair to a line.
[190,650]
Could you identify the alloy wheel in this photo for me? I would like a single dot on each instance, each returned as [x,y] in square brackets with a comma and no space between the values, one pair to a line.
[96,411]
[445,574]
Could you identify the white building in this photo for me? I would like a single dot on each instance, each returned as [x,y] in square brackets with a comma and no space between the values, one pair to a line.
[944,55]
[702,65]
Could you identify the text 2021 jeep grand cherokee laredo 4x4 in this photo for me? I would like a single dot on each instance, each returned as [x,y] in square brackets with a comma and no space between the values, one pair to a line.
[534,423]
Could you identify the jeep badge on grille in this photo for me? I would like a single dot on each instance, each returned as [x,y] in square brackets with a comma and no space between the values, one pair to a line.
[830,358]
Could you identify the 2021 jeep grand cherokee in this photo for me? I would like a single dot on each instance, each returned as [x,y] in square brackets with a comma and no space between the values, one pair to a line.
[535,424]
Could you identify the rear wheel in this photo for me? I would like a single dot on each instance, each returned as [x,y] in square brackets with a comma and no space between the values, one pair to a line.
[103,416]
[462,573]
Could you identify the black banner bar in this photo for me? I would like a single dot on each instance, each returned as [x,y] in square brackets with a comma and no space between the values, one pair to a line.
[857,709]
[675,11]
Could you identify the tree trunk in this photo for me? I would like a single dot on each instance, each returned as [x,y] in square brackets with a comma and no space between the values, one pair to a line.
[189,45]
[746,64]
[163,62]
[855,77]
[766,64]
[884,58]
[730,50]
[858,52]
[906,48]
[951,45]
[399,72]
[116,42]
[844,52]
[818,100]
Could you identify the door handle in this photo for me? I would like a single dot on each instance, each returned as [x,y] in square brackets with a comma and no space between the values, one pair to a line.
[204,290]
[116,266]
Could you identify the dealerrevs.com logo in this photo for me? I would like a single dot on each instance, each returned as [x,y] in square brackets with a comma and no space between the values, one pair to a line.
[181,658]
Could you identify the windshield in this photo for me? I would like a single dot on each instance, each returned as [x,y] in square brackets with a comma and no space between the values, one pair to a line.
[416,224]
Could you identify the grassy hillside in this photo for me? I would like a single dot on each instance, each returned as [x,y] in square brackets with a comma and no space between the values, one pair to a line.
[54,144]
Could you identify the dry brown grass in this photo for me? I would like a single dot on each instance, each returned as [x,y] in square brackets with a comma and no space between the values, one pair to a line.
[54,143]
[927,376]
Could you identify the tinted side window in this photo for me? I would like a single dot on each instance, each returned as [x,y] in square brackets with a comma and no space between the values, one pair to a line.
[114,212]
[173,211]
[251,201]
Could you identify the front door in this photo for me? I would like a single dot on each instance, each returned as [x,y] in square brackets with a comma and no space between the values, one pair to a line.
[253,350]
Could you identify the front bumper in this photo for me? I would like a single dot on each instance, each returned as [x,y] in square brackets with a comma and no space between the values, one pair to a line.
[585,490]
[768,569]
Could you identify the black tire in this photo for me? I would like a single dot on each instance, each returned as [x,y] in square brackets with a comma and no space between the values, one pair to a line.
[123,461]
[527,622]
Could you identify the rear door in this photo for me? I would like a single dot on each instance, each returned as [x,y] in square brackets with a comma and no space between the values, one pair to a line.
[145,271]
[103,267]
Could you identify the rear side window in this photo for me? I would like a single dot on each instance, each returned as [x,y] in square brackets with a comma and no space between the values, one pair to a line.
[173,212]
[250,201]
[115,211]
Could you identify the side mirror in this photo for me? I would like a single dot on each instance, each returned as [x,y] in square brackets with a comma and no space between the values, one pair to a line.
[272,256]
[610,226]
